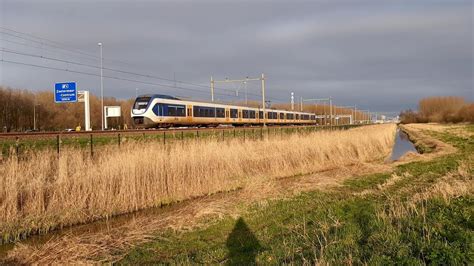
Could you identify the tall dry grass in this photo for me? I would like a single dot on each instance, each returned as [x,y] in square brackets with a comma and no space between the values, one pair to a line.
[44,192]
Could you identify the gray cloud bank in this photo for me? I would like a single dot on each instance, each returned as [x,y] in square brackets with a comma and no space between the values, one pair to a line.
[380,55]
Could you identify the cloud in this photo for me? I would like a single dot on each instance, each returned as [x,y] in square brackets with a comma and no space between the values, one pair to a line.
[381,55]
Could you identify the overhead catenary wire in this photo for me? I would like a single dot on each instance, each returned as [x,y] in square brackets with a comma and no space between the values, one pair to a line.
[106,76]
[109,77]
[56,45]
[119,71]
[110,69]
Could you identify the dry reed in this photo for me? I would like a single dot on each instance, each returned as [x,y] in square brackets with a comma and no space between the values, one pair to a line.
[45,192]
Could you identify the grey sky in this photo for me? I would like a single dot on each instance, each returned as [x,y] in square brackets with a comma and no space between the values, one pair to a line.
[380,55]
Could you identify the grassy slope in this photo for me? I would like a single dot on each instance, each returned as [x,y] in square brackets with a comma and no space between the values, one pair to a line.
[341,226]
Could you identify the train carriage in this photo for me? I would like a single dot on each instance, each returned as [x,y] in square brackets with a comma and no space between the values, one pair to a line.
[154,110]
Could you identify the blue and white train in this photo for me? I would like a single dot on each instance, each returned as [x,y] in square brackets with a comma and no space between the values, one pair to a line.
[154,110]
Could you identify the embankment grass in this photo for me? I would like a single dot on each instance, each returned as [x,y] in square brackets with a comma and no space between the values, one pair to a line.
[421,213]
[41,191]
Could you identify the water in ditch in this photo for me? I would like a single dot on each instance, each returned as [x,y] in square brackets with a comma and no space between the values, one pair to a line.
[402,146]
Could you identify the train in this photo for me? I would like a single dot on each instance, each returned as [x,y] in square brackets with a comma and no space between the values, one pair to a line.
[164,111]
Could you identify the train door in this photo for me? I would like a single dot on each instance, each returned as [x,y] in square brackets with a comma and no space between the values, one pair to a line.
[227,115]
[190,113]
[240,115]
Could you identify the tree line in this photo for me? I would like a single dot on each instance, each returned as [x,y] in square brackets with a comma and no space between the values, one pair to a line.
[447,109]
[20,108]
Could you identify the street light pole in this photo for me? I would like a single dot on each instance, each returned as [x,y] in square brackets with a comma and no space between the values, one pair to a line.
[330,111]
[101,85]
[263,98]
[212,89]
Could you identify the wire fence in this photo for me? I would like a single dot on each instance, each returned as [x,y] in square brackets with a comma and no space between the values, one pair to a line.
[20,147]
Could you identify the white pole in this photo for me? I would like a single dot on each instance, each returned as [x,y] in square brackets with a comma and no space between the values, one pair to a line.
[292,101]
[212,89]
[355,114]
[34,116]
[87,115]
[105,118]
[301,104]
[101,84]
[330,110]
[246,99]
[263,98]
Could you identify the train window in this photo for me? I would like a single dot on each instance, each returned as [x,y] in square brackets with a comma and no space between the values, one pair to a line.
[141,103]
[297,116]
[313,117]
[252,114]
[204,111]
[260,114]
[282,116]
[162,109]
[157,109]
[220,112]
[234,113]
[174,110]
[245,113]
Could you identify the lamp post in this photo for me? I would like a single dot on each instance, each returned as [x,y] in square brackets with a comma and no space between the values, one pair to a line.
[101,85]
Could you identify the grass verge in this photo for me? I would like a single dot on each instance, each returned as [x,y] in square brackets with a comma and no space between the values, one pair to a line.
[421,213]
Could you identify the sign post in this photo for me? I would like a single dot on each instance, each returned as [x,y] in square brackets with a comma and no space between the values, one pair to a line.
[65,92]
[84,97]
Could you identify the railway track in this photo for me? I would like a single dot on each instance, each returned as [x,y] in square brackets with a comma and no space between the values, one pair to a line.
[14,135]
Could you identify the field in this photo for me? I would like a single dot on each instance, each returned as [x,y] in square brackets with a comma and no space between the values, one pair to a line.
[42,191]
[353,209]
[418,213]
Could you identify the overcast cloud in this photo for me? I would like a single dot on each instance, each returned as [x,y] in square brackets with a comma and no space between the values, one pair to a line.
[380,55]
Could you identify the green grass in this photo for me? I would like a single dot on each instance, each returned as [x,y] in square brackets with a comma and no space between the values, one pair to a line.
[337,227]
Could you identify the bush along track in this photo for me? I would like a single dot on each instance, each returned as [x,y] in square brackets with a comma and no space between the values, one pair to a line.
[421,213]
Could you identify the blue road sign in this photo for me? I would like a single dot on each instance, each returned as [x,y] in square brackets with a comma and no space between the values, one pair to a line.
[65,92]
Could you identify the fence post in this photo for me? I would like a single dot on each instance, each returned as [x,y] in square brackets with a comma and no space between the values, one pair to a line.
[119,139]
[17,146]
[223,134]
[197,133]
[244,134]
[234,133]
[261,133]
[92,146]
[164,137]
[57,143]
[182,135]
